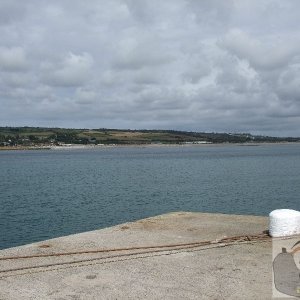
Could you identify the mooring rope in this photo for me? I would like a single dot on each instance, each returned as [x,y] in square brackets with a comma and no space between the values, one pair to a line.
[152,249]
[230,239]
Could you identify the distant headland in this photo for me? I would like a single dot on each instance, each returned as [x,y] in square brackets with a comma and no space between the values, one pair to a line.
[44,138]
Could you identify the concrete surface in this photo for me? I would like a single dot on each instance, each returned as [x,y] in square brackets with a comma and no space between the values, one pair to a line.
[236,271]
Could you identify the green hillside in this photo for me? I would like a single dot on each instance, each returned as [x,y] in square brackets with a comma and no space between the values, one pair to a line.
[30,136]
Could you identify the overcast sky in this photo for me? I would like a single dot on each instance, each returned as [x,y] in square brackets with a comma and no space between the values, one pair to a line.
[199,65]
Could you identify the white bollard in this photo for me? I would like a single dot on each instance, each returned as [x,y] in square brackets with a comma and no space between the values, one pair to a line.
[284,222]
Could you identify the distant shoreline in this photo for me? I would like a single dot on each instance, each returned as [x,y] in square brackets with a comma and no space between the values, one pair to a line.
[81,146]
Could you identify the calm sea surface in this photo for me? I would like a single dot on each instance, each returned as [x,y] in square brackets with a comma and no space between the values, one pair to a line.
[45,194]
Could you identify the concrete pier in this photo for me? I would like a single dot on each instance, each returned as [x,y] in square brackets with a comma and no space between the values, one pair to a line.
[178,255]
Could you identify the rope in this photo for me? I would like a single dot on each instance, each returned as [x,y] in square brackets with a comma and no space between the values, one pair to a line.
[234,238]
[76,265]
[154,249]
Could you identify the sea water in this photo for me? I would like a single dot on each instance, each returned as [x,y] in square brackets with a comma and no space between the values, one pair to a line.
[50,193]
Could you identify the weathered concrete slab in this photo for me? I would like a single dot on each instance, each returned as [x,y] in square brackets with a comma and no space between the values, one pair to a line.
[236,271]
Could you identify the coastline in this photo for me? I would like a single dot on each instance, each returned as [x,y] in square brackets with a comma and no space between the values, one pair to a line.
[83,146]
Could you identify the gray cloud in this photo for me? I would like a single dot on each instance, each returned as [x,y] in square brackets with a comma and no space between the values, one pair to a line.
[73,70]
[180,64]
[267,54]
[12,59]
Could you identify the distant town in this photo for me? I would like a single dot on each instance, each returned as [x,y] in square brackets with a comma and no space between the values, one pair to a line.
[40,137]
